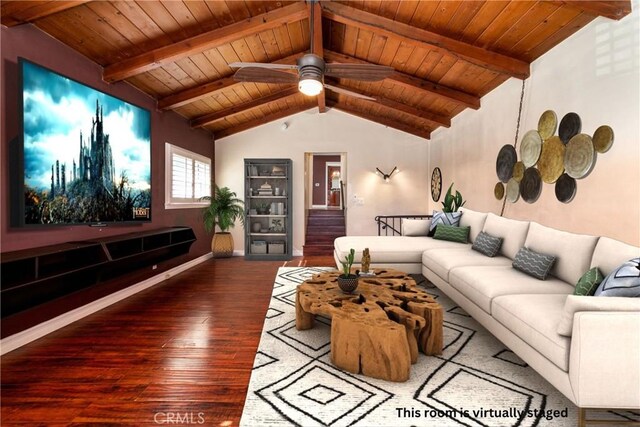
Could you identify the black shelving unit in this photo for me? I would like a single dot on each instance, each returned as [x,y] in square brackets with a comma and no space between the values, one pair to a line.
[268,203]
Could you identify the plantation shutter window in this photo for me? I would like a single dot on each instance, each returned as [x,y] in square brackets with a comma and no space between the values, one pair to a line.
[188,178]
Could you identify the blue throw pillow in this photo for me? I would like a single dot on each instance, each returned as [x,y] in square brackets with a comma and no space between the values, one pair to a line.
[624,281]
[446,218]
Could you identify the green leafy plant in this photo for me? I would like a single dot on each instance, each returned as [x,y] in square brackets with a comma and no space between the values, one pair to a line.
[225,208]
[452,203]
[347,263]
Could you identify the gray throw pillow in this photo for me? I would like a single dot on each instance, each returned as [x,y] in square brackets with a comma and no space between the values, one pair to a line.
[487,244]
[533,263]
[624,281]
[446,218]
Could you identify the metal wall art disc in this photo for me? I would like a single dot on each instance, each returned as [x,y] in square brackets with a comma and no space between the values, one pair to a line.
[603,139]
[531,185]
[579,156]
[530,147]
[518,171]
[513,191]
[498,190]
[507,157]
[551,162]
[570,125]
[547,124]
[565,188]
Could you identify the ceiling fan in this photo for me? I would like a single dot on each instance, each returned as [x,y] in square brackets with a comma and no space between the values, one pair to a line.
[311,70]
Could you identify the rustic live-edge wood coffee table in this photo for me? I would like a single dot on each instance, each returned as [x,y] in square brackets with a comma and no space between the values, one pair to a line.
[378,330]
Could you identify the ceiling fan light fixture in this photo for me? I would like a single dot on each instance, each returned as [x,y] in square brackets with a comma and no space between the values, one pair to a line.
[310,86]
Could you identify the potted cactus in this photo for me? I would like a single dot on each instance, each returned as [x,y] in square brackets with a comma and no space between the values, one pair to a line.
[347,281]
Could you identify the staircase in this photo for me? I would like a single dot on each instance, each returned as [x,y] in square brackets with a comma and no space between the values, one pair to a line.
[323,226]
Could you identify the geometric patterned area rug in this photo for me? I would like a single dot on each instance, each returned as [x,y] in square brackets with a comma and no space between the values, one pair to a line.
[475,382]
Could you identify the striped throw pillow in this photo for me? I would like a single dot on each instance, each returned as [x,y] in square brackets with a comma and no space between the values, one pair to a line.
[446,218]
[452,234]
[487,244]
[533,263]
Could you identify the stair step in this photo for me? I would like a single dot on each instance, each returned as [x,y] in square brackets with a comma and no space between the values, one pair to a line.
[325,218]
[321,240]
[323,212]
[325,229]
[317,249]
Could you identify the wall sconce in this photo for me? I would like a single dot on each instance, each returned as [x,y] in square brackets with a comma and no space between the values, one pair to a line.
[386,176]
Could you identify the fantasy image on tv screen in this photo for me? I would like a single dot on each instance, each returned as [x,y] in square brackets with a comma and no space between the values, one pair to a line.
[86,154]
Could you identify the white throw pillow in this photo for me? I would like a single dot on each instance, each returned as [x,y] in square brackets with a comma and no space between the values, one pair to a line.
[415,227]
[577,303]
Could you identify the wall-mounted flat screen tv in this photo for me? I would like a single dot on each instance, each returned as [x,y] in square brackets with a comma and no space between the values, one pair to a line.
[86,154]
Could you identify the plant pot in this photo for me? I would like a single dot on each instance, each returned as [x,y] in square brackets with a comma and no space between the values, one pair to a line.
[348,284]
[222,245]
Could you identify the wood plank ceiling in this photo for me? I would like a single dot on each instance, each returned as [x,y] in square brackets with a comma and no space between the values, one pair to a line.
[446,54]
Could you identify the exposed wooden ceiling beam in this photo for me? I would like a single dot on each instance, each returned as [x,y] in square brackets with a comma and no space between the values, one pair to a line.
[385,121]
[316,43]
[609,9]
[412,82]
[217,115]
[166,54]
[262,120]
[418,37]
[193,94]
[21,12]
[433,118]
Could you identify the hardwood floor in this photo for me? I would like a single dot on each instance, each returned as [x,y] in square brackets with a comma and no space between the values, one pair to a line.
[180,352]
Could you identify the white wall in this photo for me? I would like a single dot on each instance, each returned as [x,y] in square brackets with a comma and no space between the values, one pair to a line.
[368,145]
[594,73]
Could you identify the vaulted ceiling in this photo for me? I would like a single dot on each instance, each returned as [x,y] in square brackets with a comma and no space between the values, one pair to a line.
[445,54]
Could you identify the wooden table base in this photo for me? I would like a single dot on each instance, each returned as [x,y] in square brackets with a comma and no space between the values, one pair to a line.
[378,330]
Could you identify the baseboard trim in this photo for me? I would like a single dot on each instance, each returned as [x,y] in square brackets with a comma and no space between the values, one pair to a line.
[15,341]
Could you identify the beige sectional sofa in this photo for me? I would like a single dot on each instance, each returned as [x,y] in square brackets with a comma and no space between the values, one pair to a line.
[587,347]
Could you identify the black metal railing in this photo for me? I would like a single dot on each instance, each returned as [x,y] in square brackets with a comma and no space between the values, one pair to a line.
[344,207]
[391,225]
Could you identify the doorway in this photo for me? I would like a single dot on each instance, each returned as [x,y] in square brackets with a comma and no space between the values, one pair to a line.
[324,173]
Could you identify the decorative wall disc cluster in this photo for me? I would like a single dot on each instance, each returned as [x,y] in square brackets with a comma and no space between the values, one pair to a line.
[546,157]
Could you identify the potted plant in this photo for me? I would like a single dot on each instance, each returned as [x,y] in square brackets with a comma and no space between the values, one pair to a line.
[452,203]
[223,210]
[347,281]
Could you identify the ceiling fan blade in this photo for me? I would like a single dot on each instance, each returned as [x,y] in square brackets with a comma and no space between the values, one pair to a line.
[264,75]
[348,92]
[263,65]
[365,72]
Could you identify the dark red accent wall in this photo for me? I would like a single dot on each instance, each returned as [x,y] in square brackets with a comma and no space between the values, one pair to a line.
[319,172]
[29,42]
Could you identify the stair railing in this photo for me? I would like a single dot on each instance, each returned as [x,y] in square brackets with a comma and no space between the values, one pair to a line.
[344,207]
[391,225]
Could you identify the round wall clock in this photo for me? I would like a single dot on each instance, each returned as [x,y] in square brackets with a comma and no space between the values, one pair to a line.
[436,184]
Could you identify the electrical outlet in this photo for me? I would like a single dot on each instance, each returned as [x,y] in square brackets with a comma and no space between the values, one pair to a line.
[154,267]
